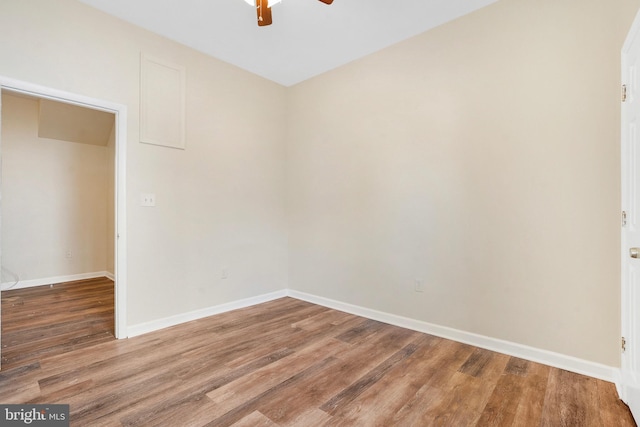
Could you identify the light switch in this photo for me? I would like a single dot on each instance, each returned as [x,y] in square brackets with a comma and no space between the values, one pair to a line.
[147,199]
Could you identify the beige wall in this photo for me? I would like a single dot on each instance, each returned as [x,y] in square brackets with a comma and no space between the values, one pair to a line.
[220,202]
[482,158]
[54,199]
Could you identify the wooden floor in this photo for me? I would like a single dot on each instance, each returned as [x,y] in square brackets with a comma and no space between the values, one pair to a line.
[49,320]
[289,363]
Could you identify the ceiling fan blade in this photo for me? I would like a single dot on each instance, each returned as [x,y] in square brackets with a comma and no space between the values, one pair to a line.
[327,1]
[264,13]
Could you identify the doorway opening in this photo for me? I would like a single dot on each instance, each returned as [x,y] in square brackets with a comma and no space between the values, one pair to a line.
[113,250]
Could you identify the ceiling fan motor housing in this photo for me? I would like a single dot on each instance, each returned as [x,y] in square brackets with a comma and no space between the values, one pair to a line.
[263,9]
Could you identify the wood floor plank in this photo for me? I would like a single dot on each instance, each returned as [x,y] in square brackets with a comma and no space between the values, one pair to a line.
[55,368]
[613,412]
[533,395]
[352,392]
[379,404]
[197,411]
[461,402]
[309,393]
[321,320]
[503,404]
[443,362]
[310,417]
[20,384]
[297,338]
[49,320]
[142,362]
[423,401]
[361,333]
[517,366]
[255,419]
[485,364]
[282,363]
[191,378]
[450,355]
[260,381]
[350,371]
[375,347]
[267,396]
[194,389]
[570,400]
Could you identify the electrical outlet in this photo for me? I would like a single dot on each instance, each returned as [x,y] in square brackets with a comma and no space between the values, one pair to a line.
[418,285]
[147,199]
[68,254]
[225,273]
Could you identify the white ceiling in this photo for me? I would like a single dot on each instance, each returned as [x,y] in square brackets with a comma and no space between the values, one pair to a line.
[306,38]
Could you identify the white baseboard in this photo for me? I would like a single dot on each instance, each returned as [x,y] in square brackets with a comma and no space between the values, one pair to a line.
[52,280]
[617,380]
[110,275]
[557,360]
[155,325]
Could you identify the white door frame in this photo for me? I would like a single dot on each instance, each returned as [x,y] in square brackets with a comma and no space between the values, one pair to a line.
[629,389]
[120,111]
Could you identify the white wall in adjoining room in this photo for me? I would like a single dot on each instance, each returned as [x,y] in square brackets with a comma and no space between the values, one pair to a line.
[54,199]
